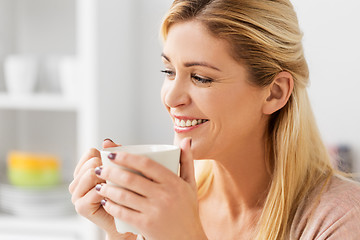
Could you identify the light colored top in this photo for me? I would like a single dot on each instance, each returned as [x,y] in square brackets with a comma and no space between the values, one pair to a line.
[331,213]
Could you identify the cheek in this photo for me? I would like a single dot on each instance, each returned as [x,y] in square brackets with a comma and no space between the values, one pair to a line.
[219,107]
[235,115]
[163,93]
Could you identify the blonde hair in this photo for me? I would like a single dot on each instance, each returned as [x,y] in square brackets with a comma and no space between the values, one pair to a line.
[265,36]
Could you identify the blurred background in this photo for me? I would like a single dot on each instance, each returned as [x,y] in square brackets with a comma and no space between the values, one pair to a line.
[74,72]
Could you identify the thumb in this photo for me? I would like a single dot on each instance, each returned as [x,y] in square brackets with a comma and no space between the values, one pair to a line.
[108,143]
[187,162]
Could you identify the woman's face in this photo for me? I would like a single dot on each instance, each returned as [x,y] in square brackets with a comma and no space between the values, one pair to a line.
[207,93]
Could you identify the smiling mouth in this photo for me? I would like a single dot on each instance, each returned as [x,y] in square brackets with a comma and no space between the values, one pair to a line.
[188,122]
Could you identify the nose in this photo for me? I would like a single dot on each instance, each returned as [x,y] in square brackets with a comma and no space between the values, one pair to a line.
[175,93]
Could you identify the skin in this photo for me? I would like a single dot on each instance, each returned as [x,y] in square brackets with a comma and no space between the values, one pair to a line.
[202,81]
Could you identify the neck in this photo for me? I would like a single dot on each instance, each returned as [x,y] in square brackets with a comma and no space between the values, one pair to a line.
[241,180]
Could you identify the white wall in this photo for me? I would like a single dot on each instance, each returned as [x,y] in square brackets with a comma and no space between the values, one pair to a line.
[56,35]
[156,124]
[129,49]
[332,48]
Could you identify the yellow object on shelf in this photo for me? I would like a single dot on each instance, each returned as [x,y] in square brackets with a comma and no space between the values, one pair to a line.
[33,169]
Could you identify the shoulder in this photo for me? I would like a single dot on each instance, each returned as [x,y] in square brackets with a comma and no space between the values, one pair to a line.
[330,212]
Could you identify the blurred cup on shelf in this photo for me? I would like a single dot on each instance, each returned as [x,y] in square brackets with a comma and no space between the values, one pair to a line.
[166,155]
[49,74]
[68,72]
[29,169]
[20,74]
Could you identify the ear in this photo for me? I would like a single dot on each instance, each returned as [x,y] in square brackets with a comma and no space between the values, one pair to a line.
[279,92]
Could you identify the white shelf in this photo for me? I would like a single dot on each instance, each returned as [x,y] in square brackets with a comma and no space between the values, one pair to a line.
[46,102]
[67,227]
[47,121]
[9,222]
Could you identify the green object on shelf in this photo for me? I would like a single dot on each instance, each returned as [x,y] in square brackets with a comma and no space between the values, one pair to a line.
[33,178]
[32,169]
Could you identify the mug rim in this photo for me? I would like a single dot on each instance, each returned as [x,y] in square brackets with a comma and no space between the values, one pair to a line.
[142,148]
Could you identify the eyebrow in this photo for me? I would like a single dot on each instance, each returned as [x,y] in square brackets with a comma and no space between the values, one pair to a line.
[190,64]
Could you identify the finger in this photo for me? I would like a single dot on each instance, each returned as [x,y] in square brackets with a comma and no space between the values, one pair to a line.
[122,213]
[144,165]
[89,203]
[108,143]
[90,207]
[85,184]
[187,171]
[90,164]
[93,152]
[128,180]
[122,196]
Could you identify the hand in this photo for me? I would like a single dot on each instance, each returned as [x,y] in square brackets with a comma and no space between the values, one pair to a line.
[85,197]
[161,204]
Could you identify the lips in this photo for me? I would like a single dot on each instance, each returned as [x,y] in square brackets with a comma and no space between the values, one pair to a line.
[188,122]
[185,124]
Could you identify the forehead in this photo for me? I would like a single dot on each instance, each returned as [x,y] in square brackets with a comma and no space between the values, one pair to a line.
[190,40]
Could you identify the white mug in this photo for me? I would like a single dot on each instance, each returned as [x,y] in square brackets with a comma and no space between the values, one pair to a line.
[20,74]
[166,155]
[68,71]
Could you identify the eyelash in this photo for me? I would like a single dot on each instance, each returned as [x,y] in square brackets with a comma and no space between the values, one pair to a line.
[201,79]
[197,78]
[167,72]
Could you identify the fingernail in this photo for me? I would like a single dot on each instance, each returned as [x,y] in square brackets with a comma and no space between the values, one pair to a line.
[108,139]
[98,170]
[98,187]
[103,202]
[112,156]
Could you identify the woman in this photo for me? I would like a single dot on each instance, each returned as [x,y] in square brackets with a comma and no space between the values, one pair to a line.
[235,88]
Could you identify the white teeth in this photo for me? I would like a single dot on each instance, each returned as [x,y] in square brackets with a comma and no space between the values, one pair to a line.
[188,123]
[182,123]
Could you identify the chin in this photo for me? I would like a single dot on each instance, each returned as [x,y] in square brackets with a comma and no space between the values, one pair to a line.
[198,150]
[177,140]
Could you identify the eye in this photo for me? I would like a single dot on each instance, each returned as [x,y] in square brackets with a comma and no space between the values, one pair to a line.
[201,80]
[168,73]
